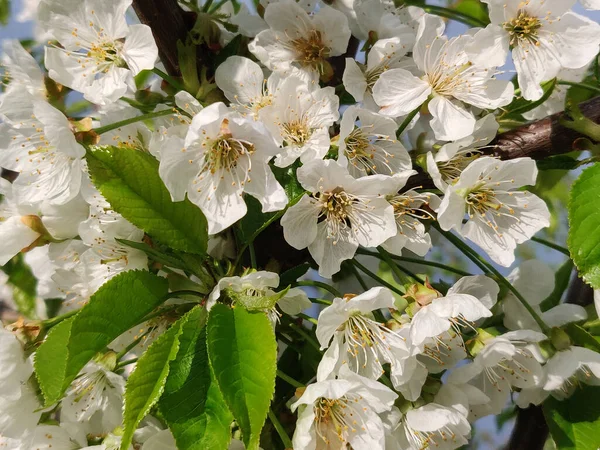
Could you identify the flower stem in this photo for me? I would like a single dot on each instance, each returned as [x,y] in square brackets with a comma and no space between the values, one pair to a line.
[490,269]
[49,323]
[122,123]
[308,318]
[333,291]
[418,261]
[400,272]
[360,279]
[122,364]
[377,278]
[320,301]
[552,245]
[585,86]
[252,255]
[287,442]
[289,380]
[407,121]
[169,79]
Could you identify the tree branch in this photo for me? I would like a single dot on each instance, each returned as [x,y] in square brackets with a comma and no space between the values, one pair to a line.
[537,140]
[530,431]
[169,24]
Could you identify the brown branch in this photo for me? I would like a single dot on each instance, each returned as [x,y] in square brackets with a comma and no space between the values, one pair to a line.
[530,431]
[537,140]
[169,24]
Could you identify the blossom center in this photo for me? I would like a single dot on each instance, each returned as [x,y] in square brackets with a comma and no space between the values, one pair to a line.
[335,419]
[226,151]
[311,50]
[523,29]
[296,133]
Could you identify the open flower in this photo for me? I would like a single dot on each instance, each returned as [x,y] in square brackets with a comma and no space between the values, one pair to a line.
[99,54]
[570,367]
[223,157]
[342,412]
[500,215]
[370,146]
[355,340]
[299,116]
[42,148]
[544,37]
[297,39]
[339,214]
[449,77]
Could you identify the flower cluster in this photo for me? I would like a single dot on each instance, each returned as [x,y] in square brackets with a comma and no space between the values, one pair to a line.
[276,121]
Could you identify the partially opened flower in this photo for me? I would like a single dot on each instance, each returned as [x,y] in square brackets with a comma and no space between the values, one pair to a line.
[544,36]
[223,157]
[368,144]
[385,54]
[255,292]
[500,214]
[446,166]
[448,77]
[297,39]
[570,367]
[503,364]
[341,412]
[339,213]
[354,339]
[21,69]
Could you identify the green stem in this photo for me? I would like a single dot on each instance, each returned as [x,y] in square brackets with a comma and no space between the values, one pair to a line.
[49,323]
[488,268]
[399,271]
[302,332]
[289,380]
[251,240]
[585,86]
[287,442]
[135,342]
[360,279]
[122,364]
[177,294]
[169,79]
[418,261]
[407,121]
[377,278]
[320,301]
[252,255]
[308,318]
[333,291]
[552,245]
[122,123]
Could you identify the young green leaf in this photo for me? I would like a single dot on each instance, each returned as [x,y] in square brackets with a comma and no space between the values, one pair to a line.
[117,306]
[575,422]
[146,383]
[24,285]
[243,354]
[192,403]
[130,182]
[584,225]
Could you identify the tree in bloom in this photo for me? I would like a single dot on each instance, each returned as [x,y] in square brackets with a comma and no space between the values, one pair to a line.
[304,225]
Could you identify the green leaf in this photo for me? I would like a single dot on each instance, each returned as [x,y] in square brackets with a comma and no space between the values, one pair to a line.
[291,276]
[577,94]
[192,403]
[146,383]
[520,106]
[24,285]
[558,162]
[154,254]
[575,422]
[4,11]
[582,338]
[118,305]
[243,354]
[562,279]
[129,180]
[584,225]
[473,8]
